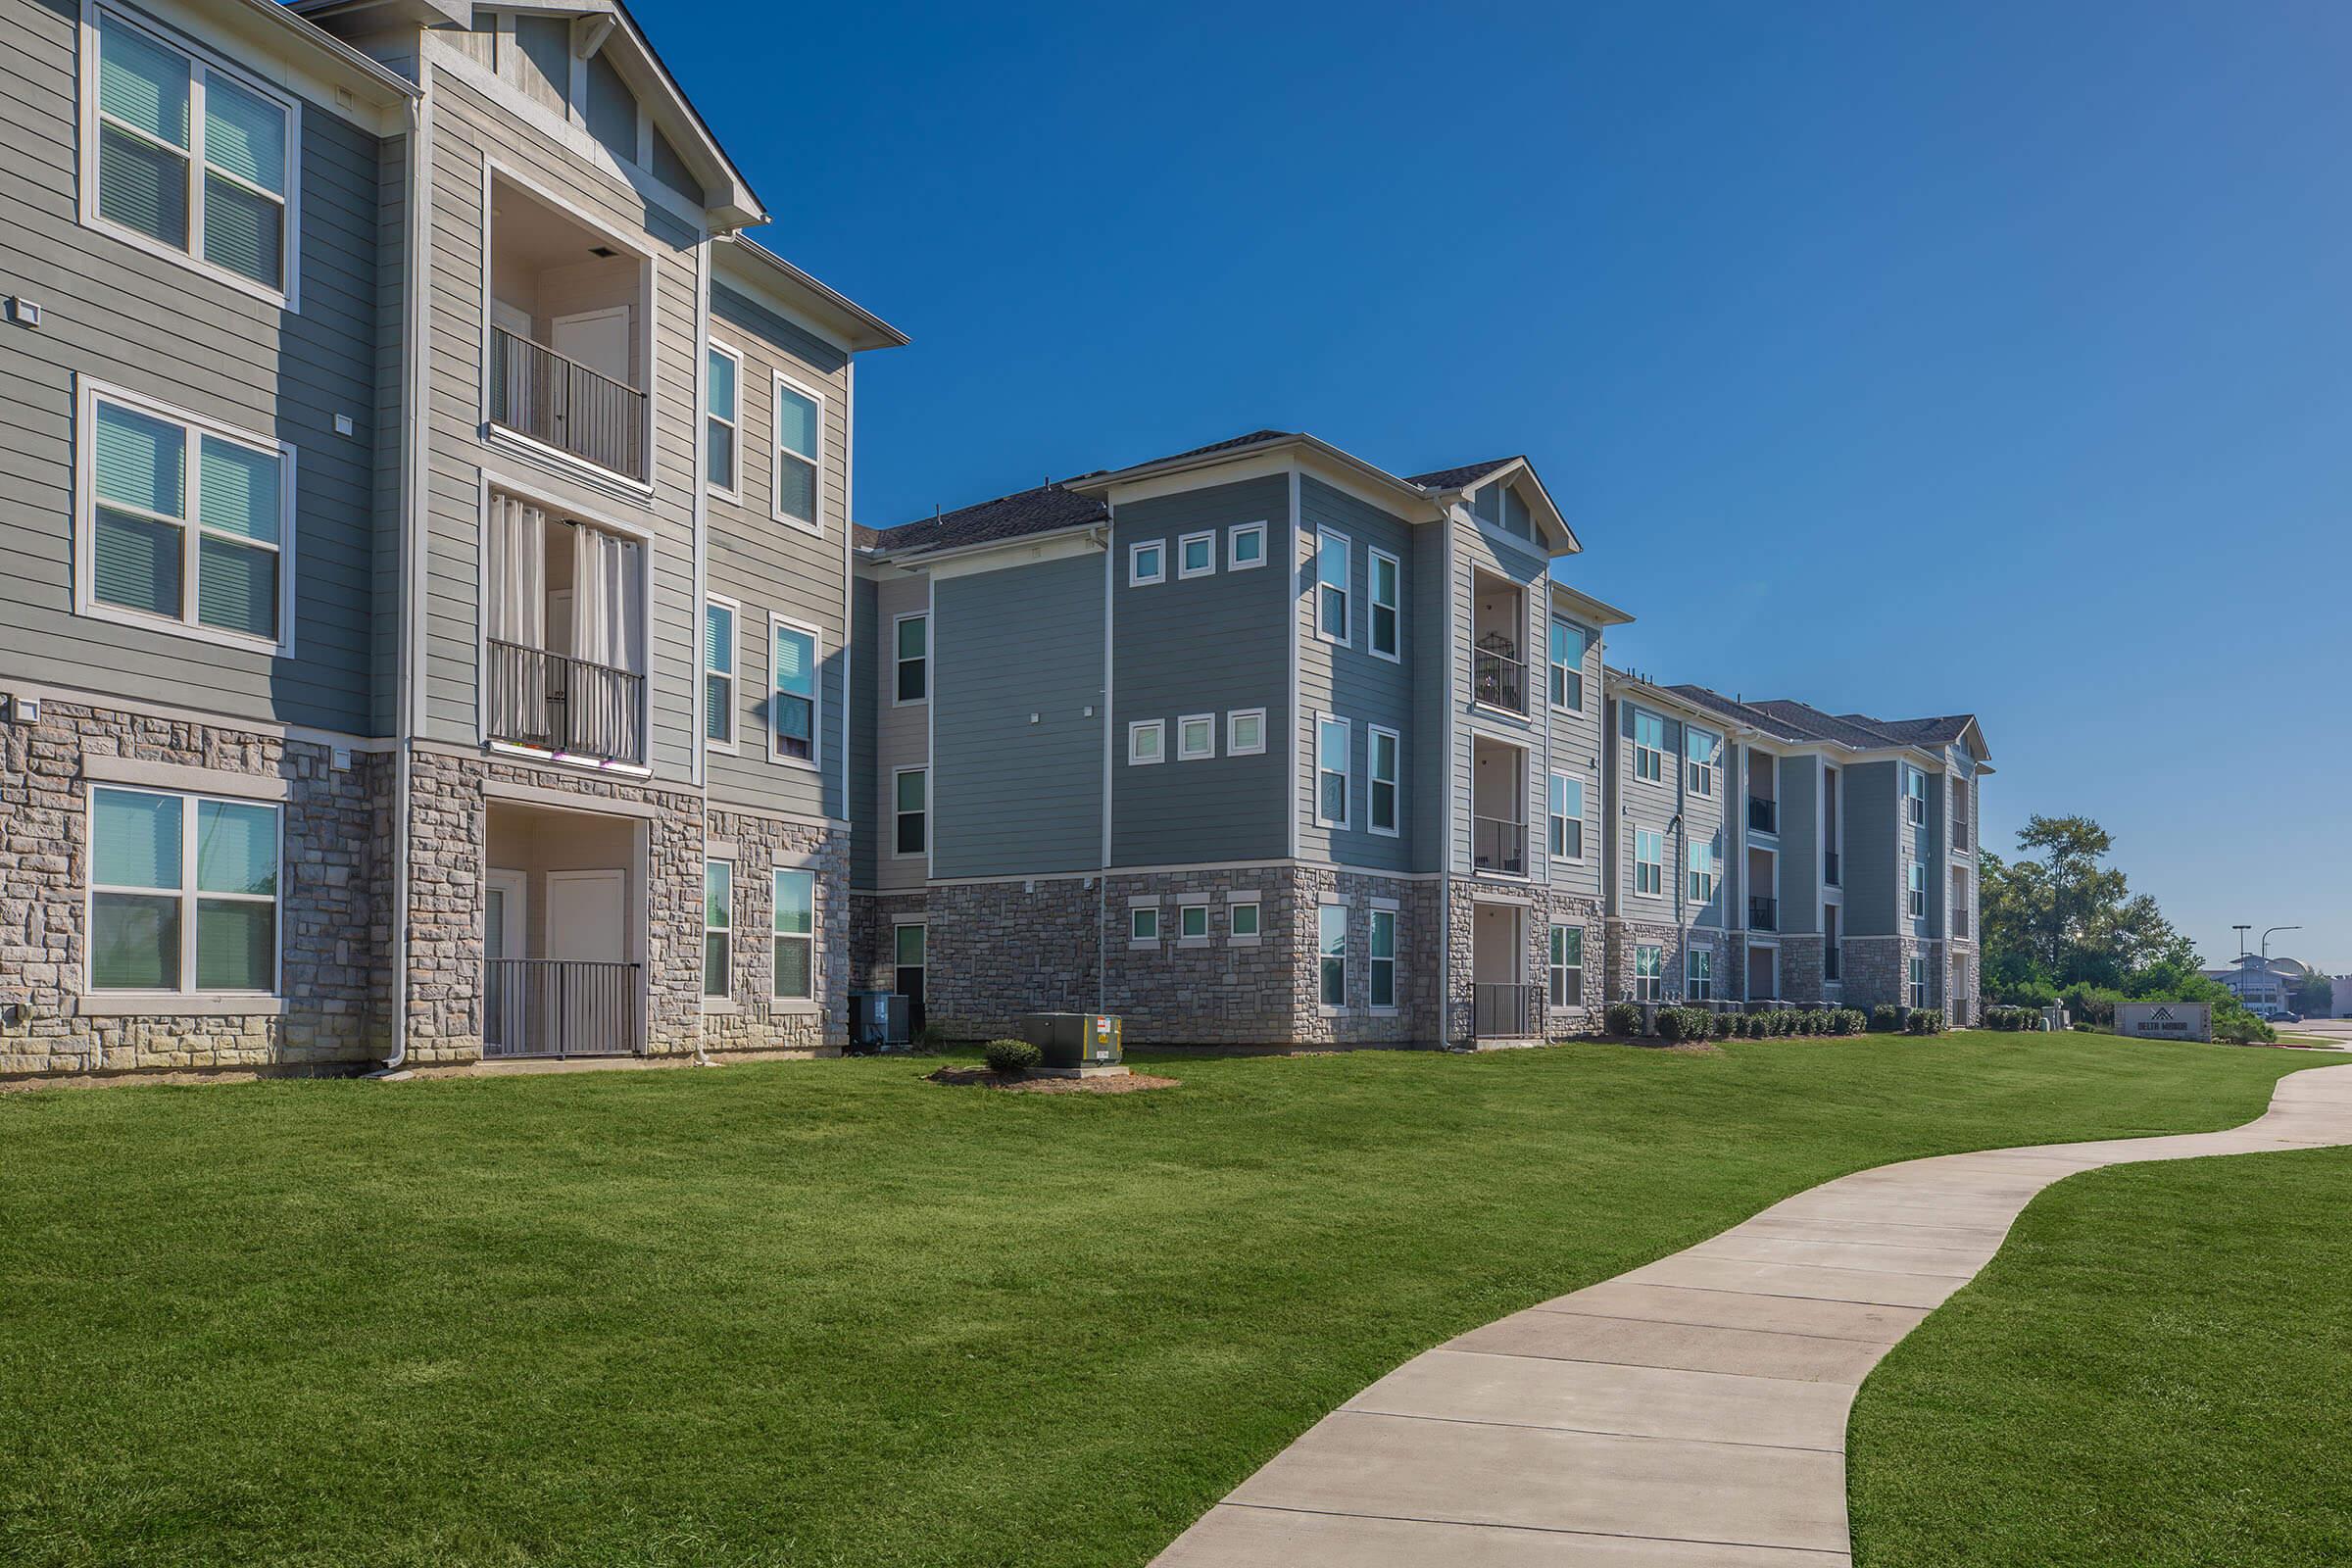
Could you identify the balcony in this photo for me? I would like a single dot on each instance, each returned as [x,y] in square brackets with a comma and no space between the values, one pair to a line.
[1960,833]
[1497,681]
[558,1007]
[562,404]
[1506,1012]
[563,929]
[1499,644]
[1763,914]
[1829,867]
[1500,846]
[564,705]
[1763,816]
[1960,922]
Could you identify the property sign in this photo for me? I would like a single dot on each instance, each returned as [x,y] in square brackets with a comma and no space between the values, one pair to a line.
[2165,1020]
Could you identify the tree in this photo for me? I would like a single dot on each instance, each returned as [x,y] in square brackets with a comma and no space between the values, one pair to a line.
[2068,918]
[2315,996]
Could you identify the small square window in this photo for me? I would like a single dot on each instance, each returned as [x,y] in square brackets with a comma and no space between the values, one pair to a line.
[1146,563]
[1245,546]
[1145,740]
[1191,923]
[1241,918]
[1246,732]
[1195,737]
[1197,554]
[1142,924]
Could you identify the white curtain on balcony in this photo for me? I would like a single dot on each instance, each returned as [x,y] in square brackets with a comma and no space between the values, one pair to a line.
[518,608]
[608,600]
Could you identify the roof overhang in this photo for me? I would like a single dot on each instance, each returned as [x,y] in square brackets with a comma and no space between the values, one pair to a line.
[848,323]
[1309,453]
[1586,608]
[1033,543]
[270,25]
[1521,476]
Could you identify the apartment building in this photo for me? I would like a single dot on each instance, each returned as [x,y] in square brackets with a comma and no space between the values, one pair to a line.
[1253,743]
[428,558]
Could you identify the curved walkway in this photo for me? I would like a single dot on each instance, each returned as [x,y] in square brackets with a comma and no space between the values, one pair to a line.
[1690,1414]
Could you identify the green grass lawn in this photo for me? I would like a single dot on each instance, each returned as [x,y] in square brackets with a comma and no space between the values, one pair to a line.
[828,1314]
[2155,1373]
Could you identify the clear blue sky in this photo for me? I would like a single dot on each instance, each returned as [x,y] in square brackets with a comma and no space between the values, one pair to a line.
[1909,358]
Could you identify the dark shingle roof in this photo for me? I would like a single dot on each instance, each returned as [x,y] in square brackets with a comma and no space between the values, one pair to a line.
[1043,510]
[1801,721]
[1944,731]
[1456,478]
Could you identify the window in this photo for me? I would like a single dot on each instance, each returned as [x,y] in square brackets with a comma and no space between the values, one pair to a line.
[1245,546]
[1649,747]
[1649,972]
[910,791]
[1147,563]
[718,674]
[1698,978]
[188,524]
[1650,862]
[1383,958]
[1702,871]
[800,434]
[1919,891]
[1567,966]
[1331,585]
[1829,950]
[796,935]
[1567,666]
[1702,752]
[1191,923]
[1195,737]
[914,658]
[1383,773]
[1919,983]
[793,704]
[1567,818]
[1142,925]
[723,418]
[718,922]
[1333,746]
[1331,950]
[1246,732]
[1240,917]
[190,161]
[1197,554]
[184,893]
[1387,585]
[1915,796]
[1143,738]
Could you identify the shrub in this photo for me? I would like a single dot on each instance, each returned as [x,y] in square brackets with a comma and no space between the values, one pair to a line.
[1672,1024]
[1622,1018]
[1887,1018]
[2086,1026]
[1924,1021]
[2094,1004]
[1852,1020]
[1784,1021]
[930,1038]
[2239,1027]
[1755,1025]
[1724,1025]
[1011,1057]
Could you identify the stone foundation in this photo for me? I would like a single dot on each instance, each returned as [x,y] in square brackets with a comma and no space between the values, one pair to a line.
[873,943]
[1878,971]
[1623,935]
[1543,909]
[752,1018]
[999,950]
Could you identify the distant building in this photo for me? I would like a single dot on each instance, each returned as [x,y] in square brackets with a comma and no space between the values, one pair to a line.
[2261,982]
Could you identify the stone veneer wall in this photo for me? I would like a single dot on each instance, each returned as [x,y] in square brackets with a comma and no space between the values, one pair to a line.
[1419,955]
[334,903]
[1623,935]
[752,1018]
[1545,910]
[873,943]
[449,826]
[1800,969]
[1878,970]
[997,950]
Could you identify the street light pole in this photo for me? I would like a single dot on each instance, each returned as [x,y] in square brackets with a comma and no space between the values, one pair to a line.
[2266,938]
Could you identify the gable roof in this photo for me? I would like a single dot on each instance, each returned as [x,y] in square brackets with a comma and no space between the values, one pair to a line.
[1464,476]
[1803,724]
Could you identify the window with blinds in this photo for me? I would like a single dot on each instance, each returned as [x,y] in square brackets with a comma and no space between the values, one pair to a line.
[791,698]
[796,936]
[183,892]
[185,523]
[800,427]
[718,674]
[190,159]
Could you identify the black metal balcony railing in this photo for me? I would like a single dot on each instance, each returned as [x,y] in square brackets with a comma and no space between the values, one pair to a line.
[558,1007]
[1763,816]
[1959,832]
[1499,680]
[559,703]
[560,403]
[1498,846]
[1763,914]
[1506,1012]
[1829,867]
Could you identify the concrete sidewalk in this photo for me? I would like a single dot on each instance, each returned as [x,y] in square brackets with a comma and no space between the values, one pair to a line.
[1690,1414]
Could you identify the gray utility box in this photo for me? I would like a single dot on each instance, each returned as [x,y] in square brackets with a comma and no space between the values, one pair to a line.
[1073,1039]
[877,1021]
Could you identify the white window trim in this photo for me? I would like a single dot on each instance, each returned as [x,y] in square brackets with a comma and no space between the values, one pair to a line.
[1138,906]
[1346,774]
[86,603]
[1157,728]
[1577,859]
[200,62]
[1239,899]
[1135,553]
[1915,804]
[778,381]
[1640,749]
[898,659]
[1210,538]
[187,894]
[896,811]
[732,745]
[1233,542]
[1373,606]
[1659,977]
[730,492]
[1691,977]
[1234,747]
[1183,753]
[1394,960]
[1208,931]
[1373,780]
[814,760]
[1916,884]
[703,957]
[1713,872]
[1555,971]
[1347,585]
[1338,1008]
[1691,765]
[816,930]
[1639,863]
[1577,669]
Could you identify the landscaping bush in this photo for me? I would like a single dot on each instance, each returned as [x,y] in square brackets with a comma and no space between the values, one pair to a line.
[2086,1026]
[2091,1003]
[1785,1021]
[2238,1027]
[1887,1018]
[1672,1024]
[1852,1020]
[1924,1021]
[1724,1025]
[1011,1057]
[1622,1018]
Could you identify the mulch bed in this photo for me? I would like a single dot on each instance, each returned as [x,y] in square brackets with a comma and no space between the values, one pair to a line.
[981,1077]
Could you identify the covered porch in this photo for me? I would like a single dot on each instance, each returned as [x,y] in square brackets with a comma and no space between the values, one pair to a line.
[564,933]
[1507,1009]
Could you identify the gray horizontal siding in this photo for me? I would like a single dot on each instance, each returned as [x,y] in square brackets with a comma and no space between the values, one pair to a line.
[1350,682]
[1202,645]
[122,317]
[1010,797]
[1575,747]
[863,686]
[1871,872]
[902,732]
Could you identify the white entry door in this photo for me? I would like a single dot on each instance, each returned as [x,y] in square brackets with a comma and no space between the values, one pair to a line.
[598,339]
[586,917]
[506,986]
[591,1001]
